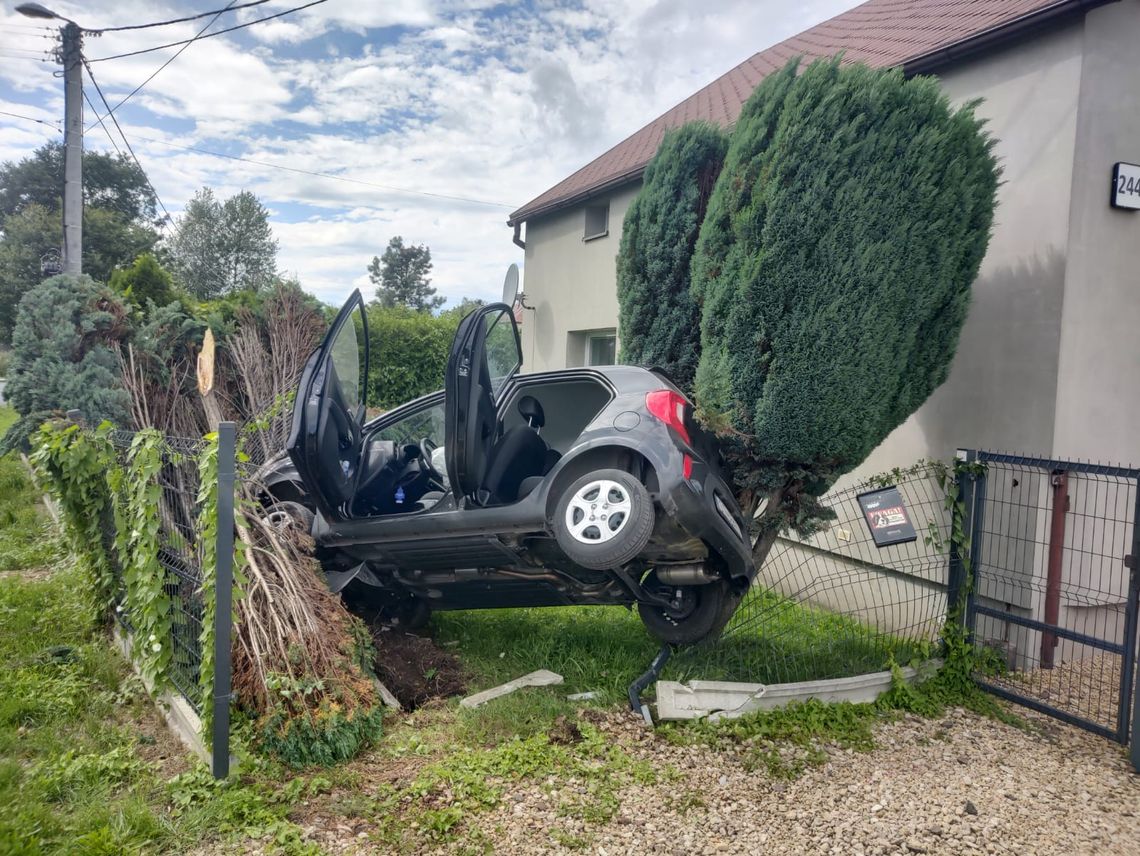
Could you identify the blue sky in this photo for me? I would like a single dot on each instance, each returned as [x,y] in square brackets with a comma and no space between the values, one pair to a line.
[489,101]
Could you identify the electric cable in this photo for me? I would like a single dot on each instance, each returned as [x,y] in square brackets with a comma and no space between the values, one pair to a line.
[154,74]
[32,119]
[126,142]
[210,35]
[101,123]
[230,8]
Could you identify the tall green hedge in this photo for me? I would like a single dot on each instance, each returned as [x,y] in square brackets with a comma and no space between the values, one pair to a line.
[407,353]
[834,266]
[659,317]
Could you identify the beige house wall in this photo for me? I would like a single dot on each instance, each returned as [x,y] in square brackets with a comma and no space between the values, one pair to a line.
[1098,389]
[571,283]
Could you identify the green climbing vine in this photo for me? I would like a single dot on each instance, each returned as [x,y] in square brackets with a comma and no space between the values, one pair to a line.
[75,466]
[111,516]
[137,528]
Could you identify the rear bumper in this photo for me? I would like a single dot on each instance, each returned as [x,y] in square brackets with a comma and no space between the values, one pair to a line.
[693,503]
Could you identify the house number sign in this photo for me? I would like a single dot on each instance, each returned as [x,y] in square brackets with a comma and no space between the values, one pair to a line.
[1126,186]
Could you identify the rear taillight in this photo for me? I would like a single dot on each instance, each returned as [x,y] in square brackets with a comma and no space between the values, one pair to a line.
[670,407]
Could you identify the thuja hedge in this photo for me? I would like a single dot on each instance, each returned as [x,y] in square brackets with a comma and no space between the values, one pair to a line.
[832,272]
[660,319]
[836,289]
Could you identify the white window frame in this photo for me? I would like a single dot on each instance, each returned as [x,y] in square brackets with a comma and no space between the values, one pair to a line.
[590,336]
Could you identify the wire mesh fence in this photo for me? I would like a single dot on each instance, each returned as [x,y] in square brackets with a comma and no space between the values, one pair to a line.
[181,556]
[834,604]
[1053,594]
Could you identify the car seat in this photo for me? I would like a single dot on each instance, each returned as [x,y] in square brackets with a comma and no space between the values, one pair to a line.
[520,454]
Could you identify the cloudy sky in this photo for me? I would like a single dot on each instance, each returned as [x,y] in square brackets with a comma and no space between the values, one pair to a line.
[440,116]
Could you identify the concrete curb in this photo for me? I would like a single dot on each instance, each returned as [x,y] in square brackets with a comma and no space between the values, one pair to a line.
[728,700]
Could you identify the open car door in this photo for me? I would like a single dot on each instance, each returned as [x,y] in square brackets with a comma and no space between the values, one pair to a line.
[485,354]
[325,440]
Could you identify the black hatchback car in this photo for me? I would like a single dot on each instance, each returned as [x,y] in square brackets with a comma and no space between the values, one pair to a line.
[584,486]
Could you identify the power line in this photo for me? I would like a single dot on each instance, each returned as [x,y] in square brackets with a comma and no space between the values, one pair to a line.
[126,142]
[343,178]
[215,12]
[103,124]
[154,74]
[211,35]
[32,119]
[21,56]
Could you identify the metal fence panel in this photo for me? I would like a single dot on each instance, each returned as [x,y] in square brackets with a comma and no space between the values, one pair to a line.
[1052,592]
[834,605]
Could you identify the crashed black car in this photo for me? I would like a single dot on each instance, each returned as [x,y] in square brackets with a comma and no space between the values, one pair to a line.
[584,486]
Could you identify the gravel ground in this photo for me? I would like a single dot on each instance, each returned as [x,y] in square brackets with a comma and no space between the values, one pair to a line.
[958,784]
[1088,687]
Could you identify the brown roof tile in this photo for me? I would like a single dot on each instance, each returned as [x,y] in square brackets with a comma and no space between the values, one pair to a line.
[879,33]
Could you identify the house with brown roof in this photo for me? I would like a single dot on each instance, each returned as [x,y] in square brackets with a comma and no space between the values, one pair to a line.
[1049,362]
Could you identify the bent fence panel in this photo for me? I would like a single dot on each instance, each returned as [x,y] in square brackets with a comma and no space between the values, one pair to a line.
[834,604]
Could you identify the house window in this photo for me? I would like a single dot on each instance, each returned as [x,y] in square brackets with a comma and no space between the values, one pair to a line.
[597,221]
[601,348]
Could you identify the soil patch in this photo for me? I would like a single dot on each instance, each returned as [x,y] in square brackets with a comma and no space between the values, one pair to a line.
[414,668]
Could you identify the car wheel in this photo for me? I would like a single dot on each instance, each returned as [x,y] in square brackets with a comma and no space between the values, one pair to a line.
[696,614]
[287,513]
[604,519]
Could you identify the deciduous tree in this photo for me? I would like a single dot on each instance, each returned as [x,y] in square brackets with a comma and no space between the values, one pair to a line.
[222,247]
[118,220]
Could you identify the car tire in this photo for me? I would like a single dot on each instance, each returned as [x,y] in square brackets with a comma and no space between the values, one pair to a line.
[287,513]
[604,519]
[704,612]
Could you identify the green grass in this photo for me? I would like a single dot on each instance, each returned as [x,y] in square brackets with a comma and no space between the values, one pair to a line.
[27,540]
[599,649]
[73,774]
[773,639]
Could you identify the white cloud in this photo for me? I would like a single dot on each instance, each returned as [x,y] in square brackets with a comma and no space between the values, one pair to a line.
[470,98]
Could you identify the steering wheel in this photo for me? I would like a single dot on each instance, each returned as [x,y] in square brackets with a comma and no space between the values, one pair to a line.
[427,447]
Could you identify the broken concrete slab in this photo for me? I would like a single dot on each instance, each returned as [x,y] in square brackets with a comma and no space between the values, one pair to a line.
[539,678]
[728,699]
[583,696]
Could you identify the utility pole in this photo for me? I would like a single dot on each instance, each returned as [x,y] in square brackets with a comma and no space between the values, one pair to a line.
[71,55]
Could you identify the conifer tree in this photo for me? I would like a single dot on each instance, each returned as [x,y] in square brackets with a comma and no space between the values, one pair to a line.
[659,319]
[834,269]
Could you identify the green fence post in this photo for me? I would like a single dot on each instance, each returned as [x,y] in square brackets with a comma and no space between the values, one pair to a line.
[223,600]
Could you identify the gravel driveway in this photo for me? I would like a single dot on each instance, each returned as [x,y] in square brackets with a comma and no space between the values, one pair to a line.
[957,784]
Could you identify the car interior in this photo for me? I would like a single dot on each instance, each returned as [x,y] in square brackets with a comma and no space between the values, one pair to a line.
[402,471]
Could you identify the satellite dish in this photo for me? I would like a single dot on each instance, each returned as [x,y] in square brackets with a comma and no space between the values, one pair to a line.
[511,285]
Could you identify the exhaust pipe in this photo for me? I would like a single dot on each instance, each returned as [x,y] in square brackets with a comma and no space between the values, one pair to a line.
[693,574]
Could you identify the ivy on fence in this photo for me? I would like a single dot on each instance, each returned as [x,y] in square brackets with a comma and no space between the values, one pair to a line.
[79,469]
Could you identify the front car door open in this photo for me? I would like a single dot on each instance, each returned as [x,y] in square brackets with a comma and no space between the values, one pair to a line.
[326,438]
[485,355]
